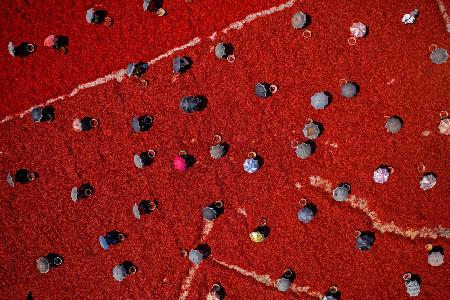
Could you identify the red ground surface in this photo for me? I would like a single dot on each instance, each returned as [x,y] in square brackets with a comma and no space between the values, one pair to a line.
[40,217]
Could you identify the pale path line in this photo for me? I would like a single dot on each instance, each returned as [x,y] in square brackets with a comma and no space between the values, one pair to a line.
[444,14]
[239,24]
[267,280]
[118,75]
[187,282]
[378,224]
[207,227]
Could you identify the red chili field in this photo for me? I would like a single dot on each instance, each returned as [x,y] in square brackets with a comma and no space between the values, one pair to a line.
[391,65]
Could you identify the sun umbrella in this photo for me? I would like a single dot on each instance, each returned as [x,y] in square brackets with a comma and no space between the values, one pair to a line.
[358,30]
[262,90]
[393,124]
[76,125]
[305,215]
[135,125]
[299,20]
[138,161]
[365,241]
[341,192]
[180,164]
[411,17]
[220,51]
[428,181]
[11,49]
[381,175]
[439,56]
[130,69]
[36,114]
[311,131]
[412,288]
[150,5]
[196,257]
[74,194]
[43,265]
[349,90]
[436,258]
[190,104]
[251,165]
[180,64]
[444,126]
[51,41]
[90,15]
[10,179]
[136,212]
[283,284]
[209,213]
[119,272]
[303,150]
[103,242]
[257,236]
[319,100]
[217,151]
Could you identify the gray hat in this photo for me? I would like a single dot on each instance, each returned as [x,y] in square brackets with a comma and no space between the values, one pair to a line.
[195,256]
[428,181]
[319,100]
[283,284]
[189,104]
[435,258]
[439,56]
[311,131]
[349,90]
[220,51]
[119,272]
[341,192]
[179,64]
[217,151]
[305,215]
[299,20]
[393,124]
[303,150]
